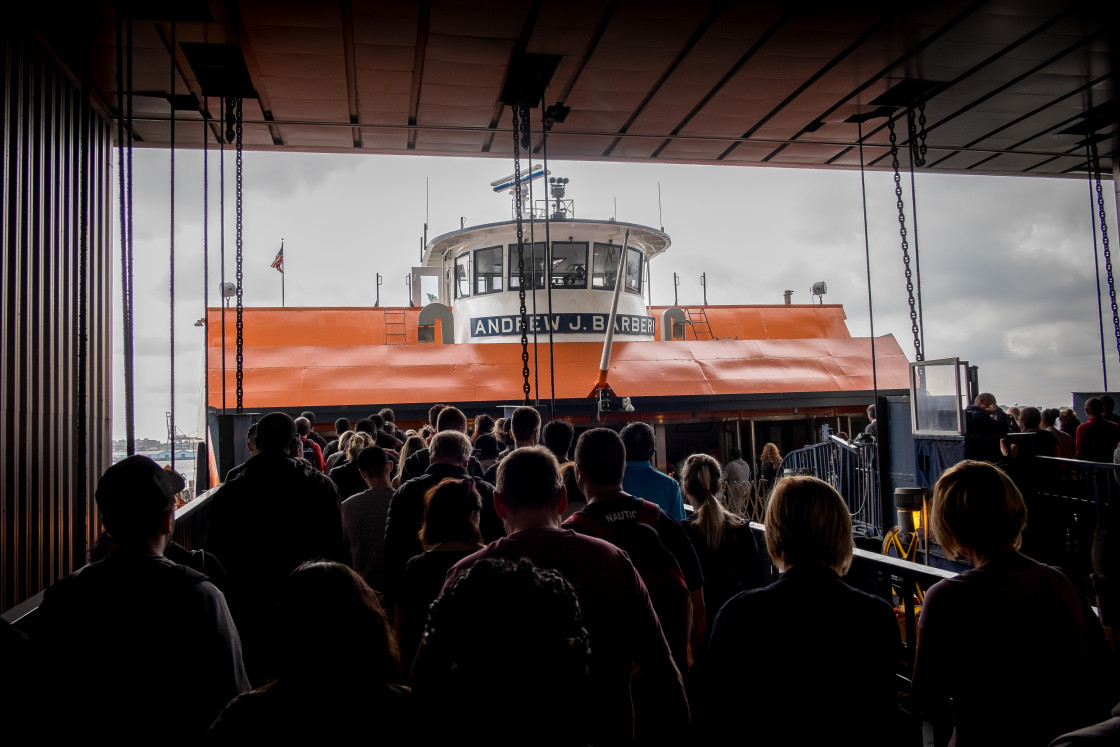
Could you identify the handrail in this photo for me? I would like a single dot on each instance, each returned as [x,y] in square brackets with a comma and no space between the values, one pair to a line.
[191,520]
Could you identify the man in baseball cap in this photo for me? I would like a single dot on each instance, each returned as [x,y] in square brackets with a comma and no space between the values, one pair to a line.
[124,619]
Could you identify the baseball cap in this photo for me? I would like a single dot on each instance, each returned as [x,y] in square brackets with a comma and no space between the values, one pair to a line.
[137,487]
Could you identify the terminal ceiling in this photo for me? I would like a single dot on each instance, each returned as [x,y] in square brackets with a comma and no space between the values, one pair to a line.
[1007,87]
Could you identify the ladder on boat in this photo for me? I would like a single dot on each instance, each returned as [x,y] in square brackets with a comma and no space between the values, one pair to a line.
[395,327]
[701,329]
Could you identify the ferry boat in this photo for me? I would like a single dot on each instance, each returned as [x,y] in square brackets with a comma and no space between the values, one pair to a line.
[707,377]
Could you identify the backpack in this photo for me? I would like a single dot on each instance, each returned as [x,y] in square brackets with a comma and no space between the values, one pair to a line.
[309,452]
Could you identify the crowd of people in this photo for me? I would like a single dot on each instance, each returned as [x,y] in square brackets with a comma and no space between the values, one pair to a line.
[530,587]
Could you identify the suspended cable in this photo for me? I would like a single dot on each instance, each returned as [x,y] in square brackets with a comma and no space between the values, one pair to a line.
[548,263]
[205,292]
[171,256]
[867,262]
[1096,264]
[225,137]
[124,145]
[533,258]
[131,287]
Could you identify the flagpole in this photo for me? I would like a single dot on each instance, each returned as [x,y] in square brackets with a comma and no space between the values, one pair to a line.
[282,303]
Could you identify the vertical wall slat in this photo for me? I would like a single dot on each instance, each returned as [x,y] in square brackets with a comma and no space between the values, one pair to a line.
[44,510]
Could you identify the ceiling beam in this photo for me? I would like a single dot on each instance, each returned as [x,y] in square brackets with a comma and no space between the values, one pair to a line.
[351,67]
[423,26]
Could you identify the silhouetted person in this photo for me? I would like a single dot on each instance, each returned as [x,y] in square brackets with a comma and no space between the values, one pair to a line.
[110,630]
[764,641]
[278,514]
[557,436]
[524,430]
[363,517]
[1096,437]
[337,672]
[619,616]
[642,478]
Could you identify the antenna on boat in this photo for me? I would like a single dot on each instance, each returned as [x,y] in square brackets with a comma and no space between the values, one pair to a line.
[660,218]
[536,171]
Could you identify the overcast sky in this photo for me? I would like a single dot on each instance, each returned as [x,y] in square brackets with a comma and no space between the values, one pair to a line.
[1006,262]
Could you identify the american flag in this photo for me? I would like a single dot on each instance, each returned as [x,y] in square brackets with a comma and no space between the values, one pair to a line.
[278,263]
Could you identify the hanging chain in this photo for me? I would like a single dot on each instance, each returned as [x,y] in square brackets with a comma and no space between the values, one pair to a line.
[1096,167]
[919,355]
[240,273]
[206,285]
[171,304]
[223,138]
[520,115]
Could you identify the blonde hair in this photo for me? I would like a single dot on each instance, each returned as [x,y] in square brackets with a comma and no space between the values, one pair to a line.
[771,454]
[807,523]
[357,442]
[700,477]
[412,444]
[977,507]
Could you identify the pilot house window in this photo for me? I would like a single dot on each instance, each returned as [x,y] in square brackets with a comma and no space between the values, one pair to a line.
[633,271]
[488,270]
[531,251]
[604,266]
[569,264]
[462,276]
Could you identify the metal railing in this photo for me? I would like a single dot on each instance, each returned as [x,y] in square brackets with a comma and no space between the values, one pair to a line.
[191,521]
[852,469]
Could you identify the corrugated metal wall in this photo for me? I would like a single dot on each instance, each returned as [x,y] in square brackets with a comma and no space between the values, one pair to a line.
[55,322]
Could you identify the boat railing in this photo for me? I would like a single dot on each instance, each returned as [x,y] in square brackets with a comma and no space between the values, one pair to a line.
[191,520]
[852,469]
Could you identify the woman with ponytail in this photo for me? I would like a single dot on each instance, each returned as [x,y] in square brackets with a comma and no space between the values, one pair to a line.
[724,542]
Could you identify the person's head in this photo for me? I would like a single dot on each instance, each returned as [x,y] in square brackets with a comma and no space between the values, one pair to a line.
[487,446]
[365,425]
[412,444]
[807,524]
[275,432]
[771,454]
[525,425]
[515,633]
[344,439]
[251,439]
[451,419]
[1069,420]
[388,415]
[571,484]
[501,432]
[871,412]
[341,426]
[373,462]
[303,426]
[482,424]
[1014,412]
[451,513]
[450,447]
[136,498]
[433,414]
[701,480]
[356,444]
[348,637]
[295,449]
[600,457]
[977,510]
[1049,417]
[529,478]
[557,437]
[1094,408]
[309,415]
[378,421]
[733,454]
[1108,403]
[1030,418]
[987,400]
[639,441]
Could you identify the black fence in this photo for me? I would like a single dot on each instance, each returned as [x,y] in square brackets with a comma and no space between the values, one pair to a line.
[191,521]
[852,469]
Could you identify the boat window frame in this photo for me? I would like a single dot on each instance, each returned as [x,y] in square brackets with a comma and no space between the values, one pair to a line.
[456,281]
[586,256]
[635,289]
[501,270]
[610,266]
[542,258]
